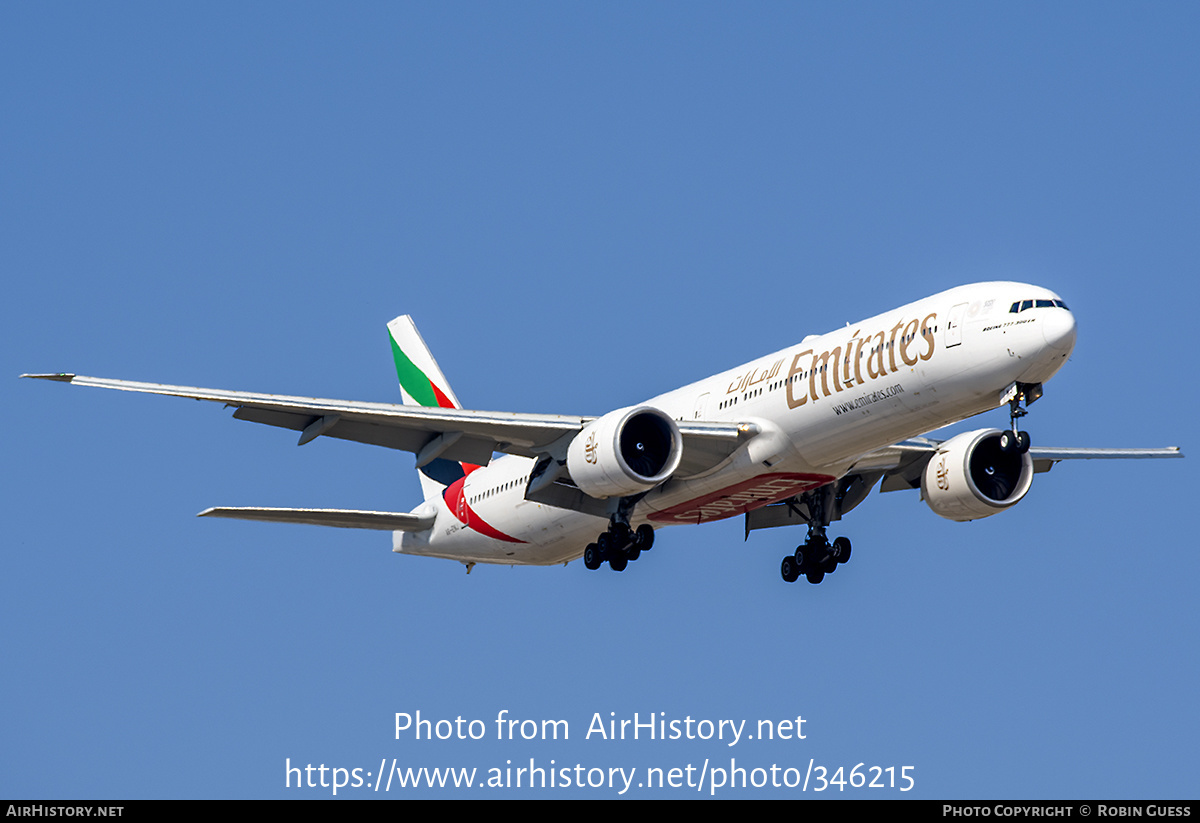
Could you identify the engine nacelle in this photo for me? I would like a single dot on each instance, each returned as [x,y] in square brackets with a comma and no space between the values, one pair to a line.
[626,451]
[970,477]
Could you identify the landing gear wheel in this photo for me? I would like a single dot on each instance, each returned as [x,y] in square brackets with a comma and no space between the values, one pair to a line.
[618,563]
[841,549]
[789,569]
[622,535]
[633,553]
[1008,442]
[591,557]
[643,538]
[605,544]
[816,556]
[1022,442]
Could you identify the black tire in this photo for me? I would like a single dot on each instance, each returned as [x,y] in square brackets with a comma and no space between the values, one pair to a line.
[815,577]
[798,555]
[789,570]
[605,544]
[1008,442]
[618,563]
[841,549]
[1023,442]
[633,553]
[622,535]
[644,537]
[591,557]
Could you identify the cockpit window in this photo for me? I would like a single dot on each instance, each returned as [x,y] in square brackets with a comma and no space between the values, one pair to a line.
[1022,305]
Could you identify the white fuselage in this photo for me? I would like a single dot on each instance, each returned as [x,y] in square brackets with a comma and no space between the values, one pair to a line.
[820,406]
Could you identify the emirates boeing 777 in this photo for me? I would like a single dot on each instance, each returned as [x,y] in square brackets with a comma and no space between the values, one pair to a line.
[797,437]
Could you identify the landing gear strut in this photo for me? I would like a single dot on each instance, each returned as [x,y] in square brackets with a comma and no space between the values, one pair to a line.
[619,545]
[816,556]
[1013,441]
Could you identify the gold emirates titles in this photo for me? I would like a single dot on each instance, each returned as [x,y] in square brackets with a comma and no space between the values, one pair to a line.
[881,360]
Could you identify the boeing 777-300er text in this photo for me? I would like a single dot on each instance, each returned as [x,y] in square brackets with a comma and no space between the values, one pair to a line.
[800,437]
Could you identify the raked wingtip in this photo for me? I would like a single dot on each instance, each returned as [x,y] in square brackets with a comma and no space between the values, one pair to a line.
[61,377]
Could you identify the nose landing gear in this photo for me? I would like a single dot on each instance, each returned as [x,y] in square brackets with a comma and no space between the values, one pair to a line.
[1013,441]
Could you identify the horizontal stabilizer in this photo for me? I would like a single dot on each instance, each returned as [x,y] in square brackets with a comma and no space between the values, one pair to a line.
[342,518]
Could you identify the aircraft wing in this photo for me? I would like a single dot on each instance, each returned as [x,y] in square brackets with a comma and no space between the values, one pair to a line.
[428,432]
[903,463]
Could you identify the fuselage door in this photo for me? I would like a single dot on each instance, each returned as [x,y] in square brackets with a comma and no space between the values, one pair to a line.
[954,325]
[701,407]
[462,504]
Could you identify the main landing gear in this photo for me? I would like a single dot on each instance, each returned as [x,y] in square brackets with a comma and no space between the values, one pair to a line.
[619,545]
[816,556]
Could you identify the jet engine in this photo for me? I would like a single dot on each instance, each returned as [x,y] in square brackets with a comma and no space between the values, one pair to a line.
[626,451]
[971,477]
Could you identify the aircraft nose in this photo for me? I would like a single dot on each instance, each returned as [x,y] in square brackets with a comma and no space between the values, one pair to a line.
[1058,328]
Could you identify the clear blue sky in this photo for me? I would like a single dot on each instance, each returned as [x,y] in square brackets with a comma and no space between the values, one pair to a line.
[581,205]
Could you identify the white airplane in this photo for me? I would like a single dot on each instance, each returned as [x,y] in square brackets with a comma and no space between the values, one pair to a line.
[800,437]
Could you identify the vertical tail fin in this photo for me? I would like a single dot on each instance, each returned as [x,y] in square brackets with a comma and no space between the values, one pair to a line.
[421,381]
[423,384]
